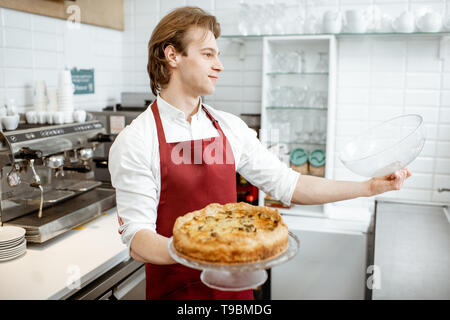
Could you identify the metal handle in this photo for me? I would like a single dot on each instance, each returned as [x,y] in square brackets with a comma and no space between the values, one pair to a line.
[101,137]
[36,178]
[443,190]
[129,284]
[42,202]
[27,154]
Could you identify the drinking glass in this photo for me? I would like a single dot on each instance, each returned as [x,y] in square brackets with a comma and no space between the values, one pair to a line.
[322,65]
[316,133]
[299,126]
[276,96]
[289,97]
[301,64]
[292,61]
[321,100]
[301,93]
[309,128]
[323,129]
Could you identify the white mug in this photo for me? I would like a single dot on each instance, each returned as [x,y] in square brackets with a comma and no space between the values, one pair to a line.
[31,117]
[356,27]
[79,116]
[356,21]
[49,117]
[58,117]
[354,15]
[3,111]
[332,22]
[41,117]
[10,122]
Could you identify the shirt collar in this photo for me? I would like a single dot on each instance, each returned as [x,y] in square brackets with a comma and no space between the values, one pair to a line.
[172,112]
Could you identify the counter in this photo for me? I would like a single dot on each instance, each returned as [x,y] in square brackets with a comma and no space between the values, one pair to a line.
[59,267]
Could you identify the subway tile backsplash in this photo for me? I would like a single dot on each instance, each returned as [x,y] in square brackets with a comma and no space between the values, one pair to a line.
[377,77]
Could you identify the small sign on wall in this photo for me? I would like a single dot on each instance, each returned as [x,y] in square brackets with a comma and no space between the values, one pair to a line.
[83,80]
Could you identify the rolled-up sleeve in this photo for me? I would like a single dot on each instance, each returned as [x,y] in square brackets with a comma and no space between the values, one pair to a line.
[262,168]
[134,182]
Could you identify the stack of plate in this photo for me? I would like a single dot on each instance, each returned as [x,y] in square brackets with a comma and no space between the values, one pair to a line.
[12,242]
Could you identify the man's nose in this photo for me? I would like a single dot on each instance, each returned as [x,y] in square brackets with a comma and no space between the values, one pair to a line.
[218,66]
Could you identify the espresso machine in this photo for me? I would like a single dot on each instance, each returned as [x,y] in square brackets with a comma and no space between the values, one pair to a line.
[47,181]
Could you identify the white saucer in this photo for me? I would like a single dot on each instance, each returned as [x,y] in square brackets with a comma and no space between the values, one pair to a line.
[16,249]
[11,233]
[12,257]
[11,244]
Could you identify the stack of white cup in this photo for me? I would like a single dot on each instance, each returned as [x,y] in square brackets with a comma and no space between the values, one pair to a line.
[65,95]
[40,96]
[52,100]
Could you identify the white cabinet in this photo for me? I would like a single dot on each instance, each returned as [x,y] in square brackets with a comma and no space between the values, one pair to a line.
[298,103]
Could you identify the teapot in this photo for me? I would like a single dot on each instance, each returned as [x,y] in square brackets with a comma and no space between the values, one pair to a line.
[385,25]
[311,24]
[446,23]
[430,22]
[404,23]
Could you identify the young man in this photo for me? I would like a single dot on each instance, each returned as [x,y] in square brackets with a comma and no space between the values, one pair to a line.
[153,187]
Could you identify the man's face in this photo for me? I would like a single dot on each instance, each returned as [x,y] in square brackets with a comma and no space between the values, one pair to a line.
[199,70]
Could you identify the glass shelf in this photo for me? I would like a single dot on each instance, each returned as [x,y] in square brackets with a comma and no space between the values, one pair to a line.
[294,108]
[443,33]
[298,73]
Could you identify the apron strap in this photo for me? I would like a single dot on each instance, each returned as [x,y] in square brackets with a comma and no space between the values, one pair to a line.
[159,127]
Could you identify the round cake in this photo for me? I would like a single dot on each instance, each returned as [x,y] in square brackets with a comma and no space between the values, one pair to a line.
[231,233]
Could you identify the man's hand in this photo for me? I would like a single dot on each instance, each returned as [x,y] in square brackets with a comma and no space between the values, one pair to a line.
[390,182]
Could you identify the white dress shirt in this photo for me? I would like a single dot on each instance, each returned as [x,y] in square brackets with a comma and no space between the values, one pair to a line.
[135,168]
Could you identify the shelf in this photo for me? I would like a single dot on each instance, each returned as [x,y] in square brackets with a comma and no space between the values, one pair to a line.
[269,143]
[306,210]
[294,108]
[238,36]
[297,73]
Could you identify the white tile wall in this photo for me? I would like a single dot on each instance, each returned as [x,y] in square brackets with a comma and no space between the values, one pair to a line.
[34,47]
[378,77]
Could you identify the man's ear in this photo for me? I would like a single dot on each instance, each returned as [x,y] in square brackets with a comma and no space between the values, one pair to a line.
[171,56]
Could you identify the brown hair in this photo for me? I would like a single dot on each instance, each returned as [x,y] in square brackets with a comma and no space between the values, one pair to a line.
[171,30]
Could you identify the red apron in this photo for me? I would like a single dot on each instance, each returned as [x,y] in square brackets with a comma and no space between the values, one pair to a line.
[187,186]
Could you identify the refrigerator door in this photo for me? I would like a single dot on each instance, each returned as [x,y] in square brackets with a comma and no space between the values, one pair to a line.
[411,252]
[329,265]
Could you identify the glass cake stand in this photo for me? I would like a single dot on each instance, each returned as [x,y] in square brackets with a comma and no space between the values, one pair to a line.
[236,277]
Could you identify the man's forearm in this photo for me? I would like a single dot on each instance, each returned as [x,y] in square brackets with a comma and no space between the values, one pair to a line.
[316,190]
[148,246]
